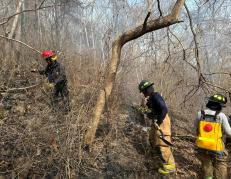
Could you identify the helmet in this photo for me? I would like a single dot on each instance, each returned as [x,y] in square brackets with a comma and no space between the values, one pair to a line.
[144,84]
[47,53]
[221,99]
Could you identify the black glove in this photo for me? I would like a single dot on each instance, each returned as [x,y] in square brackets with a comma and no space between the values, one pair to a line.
[151,115]
[41,72]
[159,121]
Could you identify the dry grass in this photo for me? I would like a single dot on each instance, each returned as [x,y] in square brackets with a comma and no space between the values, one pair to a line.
[38,142]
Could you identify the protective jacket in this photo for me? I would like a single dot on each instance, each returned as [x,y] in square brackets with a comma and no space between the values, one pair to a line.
[158,107]
[55,73]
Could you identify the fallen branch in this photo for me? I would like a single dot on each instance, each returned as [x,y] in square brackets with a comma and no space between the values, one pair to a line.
[190,138]
[218,73]
[10,90]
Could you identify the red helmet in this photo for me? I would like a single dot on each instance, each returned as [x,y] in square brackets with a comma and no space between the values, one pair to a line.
[47,53]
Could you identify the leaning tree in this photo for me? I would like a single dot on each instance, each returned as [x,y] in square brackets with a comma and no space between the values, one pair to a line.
[110,75]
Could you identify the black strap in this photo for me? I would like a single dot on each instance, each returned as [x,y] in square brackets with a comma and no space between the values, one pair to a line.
[203,114]
[215,116]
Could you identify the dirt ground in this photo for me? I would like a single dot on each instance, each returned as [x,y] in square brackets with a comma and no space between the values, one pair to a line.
[37,142]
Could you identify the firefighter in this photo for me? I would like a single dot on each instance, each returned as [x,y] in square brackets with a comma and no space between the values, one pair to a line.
[160,133]
[211,125]
[55,73]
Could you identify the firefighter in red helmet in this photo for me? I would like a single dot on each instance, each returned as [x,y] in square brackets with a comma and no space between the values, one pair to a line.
[55,73]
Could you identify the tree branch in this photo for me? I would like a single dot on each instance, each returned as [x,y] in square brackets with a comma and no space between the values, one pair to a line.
[218,73]
[159,8]
[184,51]
[18,41]
[145,20]
[216,86]
[195,40]
[21,89]
[110,74]
[26,10]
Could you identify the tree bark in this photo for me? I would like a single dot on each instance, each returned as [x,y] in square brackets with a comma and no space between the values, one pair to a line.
[15,22]
[117,45]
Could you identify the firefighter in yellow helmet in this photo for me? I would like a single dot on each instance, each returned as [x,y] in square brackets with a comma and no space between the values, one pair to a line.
[211,125]
[160,133]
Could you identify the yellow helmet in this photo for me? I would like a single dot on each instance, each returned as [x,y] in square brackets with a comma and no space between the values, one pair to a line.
[218,98]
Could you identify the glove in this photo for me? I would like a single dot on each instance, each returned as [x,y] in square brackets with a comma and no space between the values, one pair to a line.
[159,122]
[51,85]
[143,110]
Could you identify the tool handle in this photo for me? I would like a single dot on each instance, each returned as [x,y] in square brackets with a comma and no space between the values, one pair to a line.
[35,71]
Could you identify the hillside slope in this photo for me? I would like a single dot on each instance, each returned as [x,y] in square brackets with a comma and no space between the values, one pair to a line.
[39,142]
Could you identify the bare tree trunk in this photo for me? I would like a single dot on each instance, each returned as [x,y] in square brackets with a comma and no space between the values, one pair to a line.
[117,45]
[15,22]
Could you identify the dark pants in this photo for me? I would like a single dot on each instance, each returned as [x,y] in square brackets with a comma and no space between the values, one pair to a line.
[62,90]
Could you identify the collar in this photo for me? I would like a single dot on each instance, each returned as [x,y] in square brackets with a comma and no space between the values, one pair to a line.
[53,65]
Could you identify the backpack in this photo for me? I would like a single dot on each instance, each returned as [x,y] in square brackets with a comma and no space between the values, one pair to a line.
[209,133]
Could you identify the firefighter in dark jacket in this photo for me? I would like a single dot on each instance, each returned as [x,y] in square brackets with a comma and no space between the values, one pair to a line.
[55,73]
[161,127]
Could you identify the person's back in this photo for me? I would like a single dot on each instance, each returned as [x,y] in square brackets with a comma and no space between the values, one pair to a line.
[211,124]
[158,106]
[220,118]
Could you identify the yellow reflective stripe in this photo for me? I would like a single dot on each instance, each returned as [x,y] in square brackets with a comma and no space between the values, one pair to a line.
[169,166]
[54,58]
[161,171]
[146,83]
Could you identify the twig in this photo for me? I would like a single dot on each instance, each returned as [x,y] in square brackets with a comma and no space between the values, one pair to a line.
[205,2]
[145,20]
[195,39]
[6,5]
[4,37]
[42,3]
[187,96]
[26,10]
[184,50]
[21,89]
[169,53]
[218,73]
[216,86]
[189,137]
[159,8]
[149,13]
